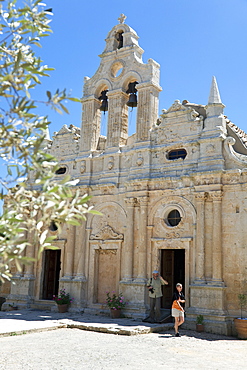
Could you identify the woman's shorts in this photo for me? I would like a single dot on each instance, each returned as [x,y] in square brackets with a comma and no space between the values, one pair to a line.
[177,313]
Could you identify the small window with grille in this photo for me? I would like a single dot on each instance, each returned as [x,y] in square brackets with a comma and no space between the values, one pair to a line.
[177,153]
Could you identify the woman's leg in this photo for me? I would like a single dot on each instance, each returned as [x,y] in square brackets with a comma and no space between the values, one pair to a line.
[176,324]
[180,320]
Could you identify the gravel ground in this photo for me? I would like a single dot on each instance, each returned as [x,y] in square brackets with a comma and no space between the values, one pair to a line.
[80,349]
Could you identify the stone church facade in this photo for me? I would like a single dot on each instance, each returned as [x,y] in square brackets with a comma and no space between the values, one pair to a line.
[172,197]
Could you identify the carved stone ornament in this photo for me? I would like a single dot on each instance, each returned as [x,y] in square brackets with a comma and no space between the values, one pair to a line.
[194,115]
[139,161]
[201,196]
[206,180]
[106,233]
[210,148]
[231,179]
[172,234]
[107,251]
[175,106]
[111,163]
[83,167]
[122,18]
[216,195]
[168,137]
[131,202]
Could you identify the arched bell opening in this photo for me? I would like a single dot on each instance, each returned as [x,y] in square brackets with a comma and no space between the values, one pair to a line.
[131,104]
[132,91]
[103,123]
[103,111]
[118,41]
[132,114]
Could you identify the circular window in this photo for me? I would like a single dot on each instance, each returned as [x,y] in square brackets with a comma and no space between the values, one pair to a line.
[173,218]
[117,69]
[53,226]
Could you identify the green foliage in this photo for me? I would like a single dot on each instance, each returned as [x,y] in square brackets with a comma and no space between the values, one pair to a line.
[242,300]
[32,196]
[200,319]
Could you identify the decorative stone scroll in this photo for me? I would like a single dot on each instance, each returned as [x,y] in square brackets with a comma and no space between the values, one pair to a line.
[106,233]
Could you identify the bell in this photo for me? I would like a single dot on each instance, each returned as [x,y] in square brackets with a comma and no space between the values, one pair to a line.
[104,106]
[104,98]
[132,101]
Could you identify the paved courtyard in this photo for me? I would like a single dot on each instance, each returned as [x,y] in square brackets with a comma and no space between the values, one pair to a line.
[79,349]
[41,340]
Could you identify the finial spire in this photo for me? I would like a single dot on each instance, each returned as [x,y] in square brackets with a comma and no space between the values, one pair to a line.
[47,134]
[214,96]
[122,18]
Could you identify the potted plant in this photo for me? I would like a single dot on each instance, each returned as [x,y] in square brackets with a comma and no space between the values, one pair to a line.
[241,323]
[115,303]
[63,301]
[12,307]
[200,323]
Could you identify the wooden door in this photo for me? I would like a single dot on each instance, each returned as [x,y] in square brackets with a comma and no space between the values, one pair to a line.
[167,272]
[51,273]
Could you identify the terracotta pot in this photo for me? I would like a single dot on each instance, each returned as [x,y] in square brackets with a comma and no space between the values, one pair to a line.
[199,328]
[115,314]
[63,307]
[241,327]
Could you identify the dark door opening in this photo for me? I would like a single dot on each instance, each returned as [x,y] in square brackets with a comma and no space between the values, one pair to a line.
[51,273]
[172,270]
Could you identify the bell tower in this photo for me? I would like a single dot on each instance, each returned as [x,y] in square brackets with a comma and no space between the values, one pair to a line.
[121,81]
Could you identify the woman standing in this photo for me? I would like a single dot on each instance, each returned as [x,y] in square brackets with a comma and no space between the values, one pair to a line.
[177,308]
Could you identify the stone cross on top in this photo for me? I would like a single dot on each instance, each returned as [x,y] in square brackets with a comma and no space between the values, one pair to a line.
[122,18]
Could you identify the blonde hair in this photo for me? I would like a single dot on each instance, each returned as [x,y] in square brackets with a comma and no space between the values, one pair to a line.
[179,284]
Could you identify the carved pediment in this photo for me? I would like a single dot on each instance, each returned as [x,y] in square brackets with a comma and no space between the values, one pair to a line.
[69,130]
[177,106]
[106,233]
[64,130]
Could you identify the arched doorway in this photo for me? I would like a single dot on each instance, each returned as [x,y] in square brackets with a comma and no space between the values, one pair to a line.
[52,266]
[173,270]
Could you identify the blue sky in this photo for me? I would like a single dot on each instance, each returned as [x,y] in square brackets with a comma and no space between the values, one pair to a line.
[192,40]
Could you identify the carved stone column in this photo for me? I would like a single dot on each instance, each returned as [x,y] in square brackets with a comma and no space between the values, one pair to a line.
[127,263]
[69,253]
[117,132]
[30,253]
[147,109]
[149,250]
[217,242]
[88,232]
[80,245]
[200,240]
[142,254]
[90,130]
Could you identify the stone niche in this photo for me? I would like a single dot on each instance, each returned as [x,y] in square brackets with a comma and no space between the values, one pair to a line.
[105,263]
